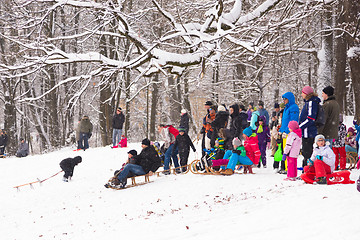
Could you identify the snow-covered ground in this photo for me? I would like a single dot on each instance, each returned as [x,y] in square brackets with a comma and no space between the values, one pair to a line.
[259,206]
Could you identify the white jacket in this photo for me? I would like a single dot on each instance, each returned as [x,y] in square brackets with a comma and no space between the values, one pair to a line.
[328,155]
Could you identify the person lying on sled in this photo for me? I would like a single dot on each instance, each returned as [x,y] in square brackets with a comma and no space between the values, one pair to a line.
[148,161]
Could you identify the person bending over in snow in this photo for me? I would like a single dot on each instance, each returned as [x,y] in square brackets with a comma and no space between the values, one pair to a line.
[148,161]
[67,165]
[322,161]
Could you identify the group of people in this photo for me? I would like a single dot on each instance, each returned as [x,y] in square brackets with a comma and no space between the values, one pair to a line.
[23,149]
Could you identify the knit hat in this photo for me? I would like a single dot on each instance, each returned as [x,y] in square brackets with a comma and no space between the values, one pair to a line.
[329,90]
[145,142]
[220,141]
[183,110]
[208,103]
[221,108]
[236,142]
[318,137]
[133,152]
[351,130]
[247,131]
[276,105]
[293,125]
[181,129]
[307,90]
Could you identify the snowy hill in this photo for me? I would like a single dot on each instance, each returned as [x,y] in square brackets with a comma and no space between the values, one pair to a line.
[258,206]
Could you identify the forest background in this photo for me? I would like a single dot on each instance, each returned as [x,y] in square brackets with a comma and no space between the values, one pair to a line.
[63,59]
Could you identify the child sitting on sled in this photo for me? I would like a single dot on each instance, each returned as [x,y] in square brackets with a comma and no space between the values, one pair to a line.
[68,165]
[321,163]
[131,160]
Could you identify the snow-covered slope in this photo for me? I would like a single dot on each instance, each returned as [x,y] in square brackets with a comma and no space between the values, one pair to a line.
[259,206]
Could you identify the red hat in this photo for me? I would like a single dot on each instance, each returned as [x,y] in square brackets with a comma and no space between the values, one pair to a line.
[307,90]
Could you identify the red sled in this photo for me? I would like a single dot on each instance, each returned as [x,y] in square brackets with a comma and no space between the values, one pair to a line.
[342,177]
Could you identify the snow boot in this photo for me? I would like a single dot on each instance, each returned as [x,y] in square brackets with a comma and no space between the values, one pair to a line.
[227,172]
[322,180]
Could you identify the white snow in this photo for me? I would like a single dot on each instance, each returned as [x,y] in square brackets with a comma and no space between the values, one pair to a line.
[260,206]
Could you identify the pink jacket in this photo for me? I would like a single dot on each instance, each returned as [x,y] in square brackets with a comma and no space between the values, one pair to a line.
[293,144]
[251,145]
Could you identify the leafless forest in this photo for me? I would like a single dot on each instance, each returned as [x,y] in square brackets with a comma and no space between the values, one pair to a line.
[62,59]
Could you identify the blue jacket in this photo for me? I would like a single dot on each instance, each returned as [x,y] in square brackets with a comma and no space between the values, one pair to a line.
[265,113]
[308,117]
[291,112]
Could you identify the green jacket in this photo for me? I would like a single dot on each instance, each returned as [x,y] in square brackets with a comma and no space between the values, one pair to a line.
[332,112]
[85,125]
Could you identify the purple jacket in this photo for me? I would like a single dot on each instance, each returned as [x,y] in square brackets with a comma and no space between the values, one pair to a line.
[263,137]
[293,143]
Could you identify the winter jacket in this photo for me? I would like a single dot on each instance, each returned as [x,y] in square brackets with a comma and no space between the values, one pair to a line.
[332,112]
[183,143]
[276,122]
[351,141]
[252,148]
[23,150]
[308,117]
[3,140]
[340,141]
[291,112]
[167,137]
[85,125]
[68,164]
[148,159]
[293,144]
[220,121]
[207,124]
[263,112]
[264,136]
[184,122]
[118,121]
[254,119]
[235,123]
[327,153]
[243,119]
[249,115]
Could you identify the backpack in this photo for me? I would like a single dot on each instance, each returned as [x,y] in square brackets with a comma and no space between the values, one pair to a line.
[172,130]
[320,117]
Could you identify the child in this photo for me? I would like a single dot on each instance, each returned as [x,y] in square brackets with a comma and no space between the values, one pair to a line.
[183,144]
[67,165]
[123,141]
[131,160]
[339,146]
[251,145]
[263,134]
[321,163]
[292,150]
[350,141]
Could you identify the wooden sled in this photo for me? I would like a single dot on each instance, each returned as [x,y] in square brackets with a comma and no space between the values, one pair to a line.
[352,157]
[2,156]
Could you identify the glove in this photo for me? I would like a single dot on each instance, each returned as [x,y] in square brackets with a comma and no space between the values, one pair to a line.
[310,162]
[319,157]
[284,157]
[237,152]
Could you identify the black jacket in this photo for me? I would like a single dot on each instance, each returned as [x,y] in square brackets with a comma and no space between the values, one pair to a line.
[235,124]
[68,164]
[184,122]
[3,140]
[118,121]
[148,159]
[183,143]
[243,119]
[221,120]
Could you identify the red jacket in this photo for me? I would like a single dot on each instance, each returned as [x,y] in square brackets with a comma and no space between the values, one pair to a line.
[252,149]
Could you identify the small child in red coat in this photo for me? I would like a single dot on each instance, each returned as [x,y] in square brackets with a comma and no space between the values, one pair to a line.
[123,141]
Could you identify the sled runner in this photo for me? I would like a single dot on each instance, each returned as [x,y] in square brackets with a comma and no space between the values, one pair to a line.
[352,157]
[38,181]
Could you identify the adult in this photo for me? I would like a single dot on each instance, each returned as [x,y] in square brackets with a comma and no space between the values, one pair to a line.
[307,121]
[332,112]
[168,134]
[147,161]
[235,123]
[275,116]
[23,149]
[243,117]
[220,121]
[254,119]
[85,132]
[290,113]
[3,142]
[208,128]
[263,112]
[207,106]
[117,125]
[184,121]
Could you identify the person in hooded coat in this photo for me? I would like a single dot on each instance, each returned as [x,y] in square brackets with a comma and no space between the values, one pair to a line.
[235,123]
[220,121]
[184,121]
[68,165]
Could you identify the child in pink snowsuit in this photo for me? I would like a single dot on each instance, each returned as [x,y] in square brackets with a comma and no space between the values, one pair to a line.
[292,150]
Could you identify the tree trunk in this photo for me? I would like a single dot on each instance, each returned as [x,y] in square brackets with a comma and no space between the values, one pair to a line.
[154,102]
